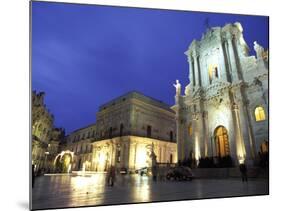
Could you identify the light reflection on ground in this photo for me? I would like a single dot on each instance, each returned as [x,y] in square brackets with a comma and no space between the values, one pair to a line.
[56,191]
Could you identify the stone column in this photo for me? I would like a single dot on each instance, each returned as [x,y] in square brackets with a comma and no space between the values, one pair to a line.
[179,138]
[232,57]
[191,71]
[205,130]
[179,118]
[196,141]
[113,154]
[249,142]
[132,155]
[196,69]
[240,149]
[223,72]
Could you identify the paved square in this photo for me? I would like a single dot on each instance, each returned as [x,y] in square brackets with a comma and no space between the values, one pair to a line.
[56,191]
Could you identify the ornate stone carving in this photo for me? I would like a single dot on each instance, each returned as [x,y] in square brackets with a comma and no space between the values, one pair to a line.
[187,90]
[259,50]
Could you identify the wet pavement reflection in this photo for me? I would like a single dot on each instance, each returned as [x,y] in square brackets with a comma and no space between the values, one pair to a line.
[55,191]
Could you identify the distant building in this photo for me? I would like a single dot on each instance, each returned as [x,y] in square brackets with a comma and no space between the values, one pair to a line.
[45,138]
[127,130]
[224,111]
[79,142]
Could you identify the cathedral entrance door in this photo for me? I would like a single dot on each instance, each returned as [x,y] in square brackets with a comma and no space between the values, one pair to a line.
[221,141]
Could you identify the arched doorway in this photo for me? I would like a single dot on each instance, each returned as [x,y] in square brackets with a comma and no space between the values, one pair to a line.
[221,141]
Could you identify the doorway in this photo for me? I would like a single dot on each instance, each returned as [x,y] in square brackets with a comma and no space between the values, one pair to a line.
[221,141]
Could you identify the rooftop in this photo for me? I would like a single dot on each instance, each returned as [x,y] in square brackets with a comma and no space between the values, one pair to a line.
[139,96]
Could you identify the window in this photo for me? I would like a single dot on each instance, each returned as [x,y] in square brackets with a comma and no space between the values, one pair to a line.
[118,156]
[93,134]
[171,135]
[216,73]
[121,129]
[110,132]
[213,72]
[259,114]
[148,131]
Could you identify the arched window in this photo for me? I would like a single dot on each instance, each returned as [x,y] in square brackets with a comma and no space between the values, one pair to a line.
[259,114]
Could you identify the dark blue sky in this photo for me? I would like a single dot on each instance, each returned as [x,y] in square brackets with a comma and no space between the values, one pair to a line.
[86,55]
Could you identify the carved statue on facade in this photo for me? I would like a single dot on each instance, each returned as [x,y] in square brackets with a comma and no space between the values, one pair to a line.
[187,89]
[178,87]
[259,50]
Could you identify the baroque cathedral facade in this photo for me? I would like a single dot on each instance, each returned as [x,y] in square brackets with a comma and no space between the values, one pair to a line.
[224,109]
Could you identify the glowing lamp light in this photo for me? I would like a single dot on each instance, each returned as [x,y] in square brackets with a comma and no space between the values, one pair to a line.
[241,159]
[141,158]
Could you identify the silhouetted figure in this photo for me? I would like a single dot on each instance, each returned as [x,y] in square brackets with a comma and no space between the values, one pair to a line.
[243,170]
[111,176]
[154,173]
[33,175]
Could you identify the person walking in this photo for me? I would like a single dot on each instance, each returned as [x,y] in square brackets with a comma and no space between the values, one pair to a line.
[243,170]
[111,176]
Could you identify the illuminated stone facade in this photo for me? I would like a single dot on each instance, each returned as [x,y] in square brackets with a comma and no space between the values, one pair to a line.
[128,128]
[45,138]
[224,110]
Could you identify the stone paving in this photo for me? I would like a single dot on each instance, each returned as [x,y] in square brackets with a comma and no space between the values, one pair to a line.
[57,191]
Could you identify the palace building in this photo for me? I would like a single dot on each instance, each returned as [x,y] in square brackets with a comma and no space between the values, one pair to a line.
[127,131]
[224,109]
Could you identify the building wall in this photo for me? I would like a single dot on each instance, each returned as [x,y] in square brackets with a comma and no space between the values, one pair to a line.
[131,152]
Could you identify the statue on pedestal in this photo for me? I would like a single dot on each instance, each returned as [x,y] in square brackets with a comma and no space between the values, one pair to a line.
[259,50]
[178,88]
